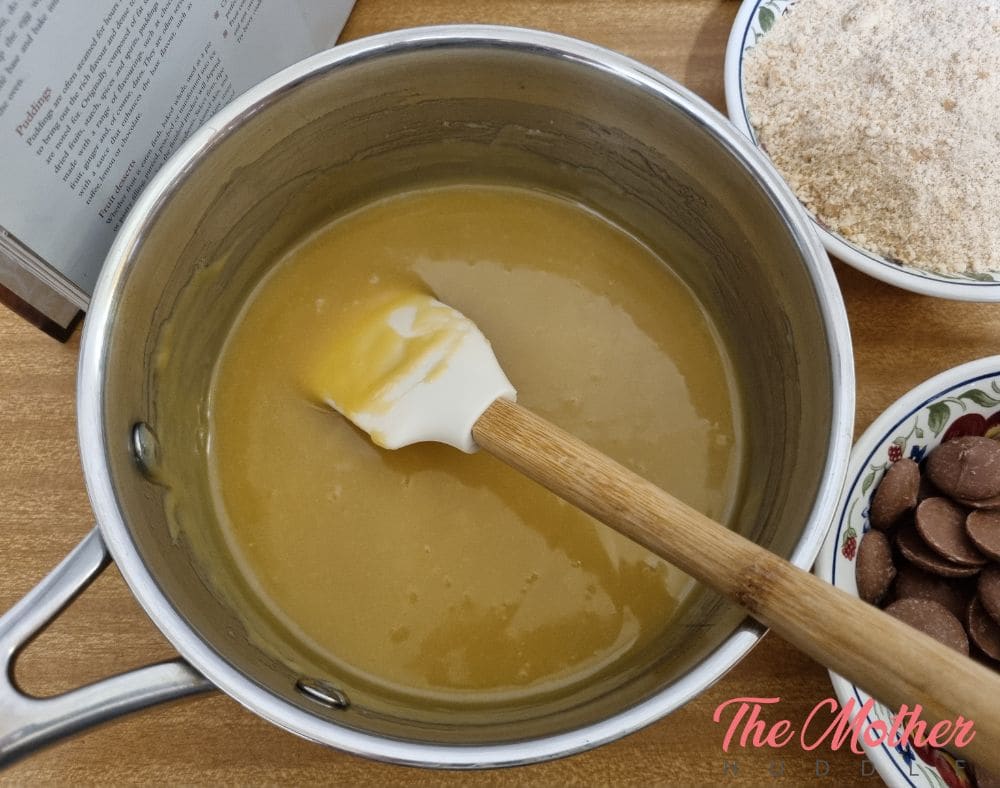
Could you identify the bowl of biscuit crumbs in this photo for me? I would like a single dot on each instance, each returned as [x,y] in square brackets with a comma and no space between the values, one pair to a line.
[884,118]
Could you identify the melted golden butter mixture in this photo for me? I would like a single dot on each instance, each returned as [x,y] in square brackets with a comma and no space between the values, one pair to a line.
[449,575]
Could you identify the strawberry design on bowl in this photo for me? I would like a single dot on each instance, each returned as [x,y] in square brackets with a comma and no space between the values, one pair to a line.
[850,546]
[952,770]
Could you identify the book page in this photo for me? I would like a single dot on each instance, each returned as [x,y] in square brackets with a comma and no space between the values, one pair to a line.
[96,95]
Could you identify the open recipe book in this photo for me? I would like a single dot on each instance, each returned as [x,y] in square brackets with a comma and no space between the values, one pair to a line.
[94,96]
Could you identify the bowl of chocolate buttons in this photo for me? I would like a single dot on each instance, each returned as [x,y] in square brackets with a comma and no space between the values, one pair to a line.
[918,535]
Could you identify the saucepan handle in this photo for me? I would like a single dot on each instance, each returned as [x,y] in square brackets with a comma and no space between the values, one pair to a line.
[28,723]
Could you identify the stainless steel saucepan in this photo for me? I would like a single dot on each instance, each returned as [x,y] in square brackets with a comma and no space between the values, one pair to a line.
[345,126]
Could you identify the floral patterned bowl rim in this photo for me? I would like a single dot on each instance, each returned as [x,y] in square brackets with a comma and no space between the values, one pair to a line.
[960,400]
[754,20]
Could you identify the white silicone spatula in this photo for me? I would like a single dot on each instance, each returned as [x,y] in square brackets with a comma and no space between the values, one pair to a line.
[409,369]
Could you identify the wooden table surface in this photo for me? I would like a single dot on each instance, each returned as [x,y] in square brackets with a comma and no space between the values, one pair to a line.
[900,339]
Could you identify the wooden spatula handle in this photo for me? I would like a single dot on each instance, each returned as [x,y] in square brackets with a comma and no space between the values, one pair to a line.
[890,660]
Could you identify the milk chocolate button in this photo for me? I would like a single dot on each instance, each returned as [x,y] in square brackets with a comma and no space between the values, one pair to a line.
[941,524]
[983,630]
[915,583]
[932,619]
[896,494]
[874,570]
[983,528]
[926,489]
[967,467]
[986,503]
[918,553]
[989,592]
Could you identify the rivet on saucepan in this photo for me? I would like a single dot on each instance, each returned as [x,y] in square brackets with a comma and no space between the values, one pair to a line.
[146,450]
[323,692]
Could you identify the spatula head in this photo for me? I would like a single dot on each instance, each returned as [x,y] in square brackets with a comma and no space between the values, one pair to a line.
[406,368]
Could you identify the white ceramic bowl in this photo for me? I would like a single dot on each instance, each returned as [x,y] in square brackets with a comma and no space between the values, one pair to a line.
[964,400]
[754,20]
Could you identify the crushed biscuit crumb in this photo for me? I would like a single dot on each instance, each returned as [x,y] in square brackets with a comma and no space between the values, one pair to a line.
[884,117]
